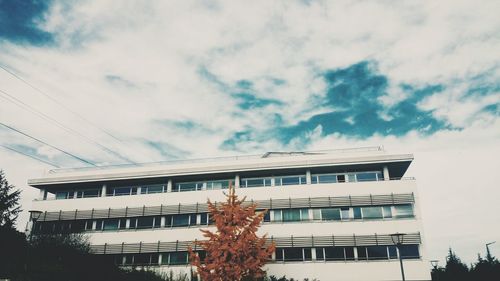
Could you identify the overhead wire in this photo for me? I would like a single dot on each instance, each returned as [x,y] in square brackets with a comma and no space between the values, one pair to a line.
[24,105]
[30,156]
[59,103]
[49,145]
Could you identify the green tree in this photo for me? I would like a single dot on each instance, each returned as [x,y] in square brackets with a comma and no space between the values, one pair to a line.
[9,203]
[455,269]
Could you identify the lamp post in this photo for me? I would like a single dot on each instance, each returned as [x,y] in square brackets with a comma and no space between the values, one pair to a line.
[488,254]
[434,264]
[397,239]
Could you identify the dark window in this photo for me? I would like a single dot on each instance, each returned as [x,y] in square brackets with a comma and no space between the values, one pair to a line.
[168,221]
[319,254]
[307,254]
[78,226]
[178,258]
[133,222]
[327,178]
[155,258]
[393,252]
[142,258]
[267,216]
[123,223]
[409,251]
[362,253]
[279,254]
[192,219]
[204,219]
[334,253]
[377,252]
[157,221]
[152,189]
[180,220]
[349,253]
[145,222]
[293,254]
[129,259]
[330,214]
[91,193]
[341,178]
[287,181]
[98,225]
[111,224]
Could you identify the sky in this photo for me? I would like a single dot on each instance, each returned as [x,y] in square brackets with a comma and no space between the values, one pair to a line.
[98,82]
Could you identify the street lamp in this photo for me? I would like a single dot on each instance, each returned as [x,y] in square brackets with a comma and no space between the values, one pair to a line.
[488,254]
[397,239]
[434,264]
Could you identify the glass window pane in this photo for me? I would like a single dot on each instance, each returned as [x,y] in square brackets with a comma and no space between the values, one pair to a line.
[314,179]
[351,177]
[142,258]
[345,213]
[192,219]
[204,219]
[145,222]
[168,221]
[293,254]
[180,220]
[307,254]
[409,251]
[123,223]
[119,191]
[377,252]
[393,252]
[218,184]
[371,176]
[91,193]
[349,253]
[267,182]
[330,214]
[254,182]
[291,214]
[178,258]
[279,254]
[98,225]
[154,258]
[319,254]
[186,186]
[403,211]
[304,213]
[267,216]
[334,253]
[387,212]
[361,252]
[277,215]
[133,223]
[357,212]
[290,180]
[317,214]
[372,212]
[62,195]
[157,221]
[152,189]
[327,178]
[303,180]
[111,224]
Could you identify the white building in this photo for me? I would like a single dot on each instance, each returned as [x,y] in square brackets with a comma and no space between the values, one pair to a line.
[331,213]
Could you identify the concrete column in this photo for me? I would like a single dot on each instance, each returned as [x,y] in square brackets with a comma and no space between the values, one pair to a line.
[139,190]
[169,186]
[308,177]
[127,223]
[160,258]
[386,173]
[237,181]
[313,254]
[162,222]
[103,192]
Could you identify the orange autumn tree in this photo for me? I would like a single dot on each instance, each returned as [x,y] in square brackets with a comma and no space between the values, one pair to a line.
[233,251]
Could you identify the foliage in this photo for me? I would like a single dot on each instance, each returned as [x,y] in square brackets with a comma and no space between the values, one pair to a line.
[234,252]
[455,270]
[9,202]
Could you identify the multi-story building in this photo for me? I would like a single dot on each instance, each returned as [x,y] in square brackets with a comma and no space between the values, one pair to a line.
[330,214]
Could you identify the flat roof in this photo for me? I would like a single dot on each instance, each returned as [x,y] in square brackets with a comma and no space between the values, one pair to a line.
[398,164]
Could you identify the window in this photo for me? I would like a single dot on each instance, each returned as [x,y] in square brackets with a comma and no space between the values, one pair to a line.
[334,253]
[316,214]
[387,212]
[372,212]
[403,211]
[63,195]
[409,251]
[291,214]
[180,220]
[98,225]
[111,224]
[267,216]
[178,258]
[152,189]
[123,224]
[393,252]
[357,213]
[368,176]
[307,254]
[142,258]
[377,252]
[330,214]
[255,182]
[320,254]
[277,215]
[345,213]
[89,193]
[204,218]
[78,226]
[304,214]
[293,254]
[349,253]
[291,180]
[188,186]
[222,184]
[145,222]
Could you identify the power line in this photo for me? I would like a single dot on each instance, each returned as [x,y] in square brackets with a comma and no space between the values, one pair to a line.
[45,143]
[59,103]
[30,156]
[57,123]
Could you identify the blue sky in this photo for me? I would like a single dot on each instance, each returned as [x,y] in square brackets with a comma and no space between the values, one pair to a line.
[127,81]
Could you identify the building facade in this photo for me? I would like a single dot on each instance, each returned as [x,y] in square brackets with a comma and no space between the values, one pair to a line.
[330,214]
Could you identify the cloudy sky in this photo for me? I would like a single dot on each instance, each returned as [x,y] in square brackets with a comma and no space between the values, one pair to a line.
[107,82]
